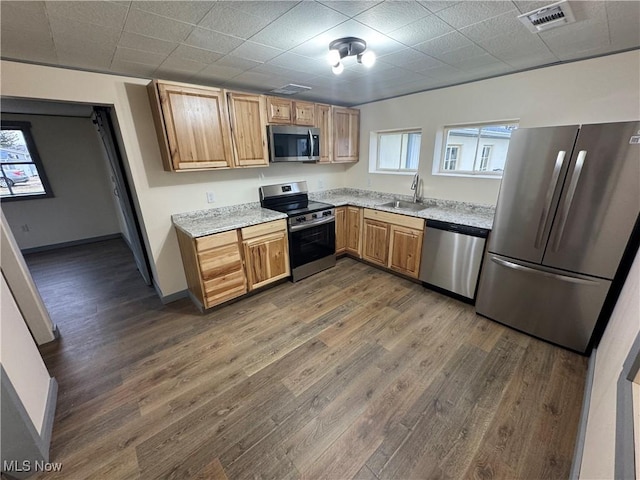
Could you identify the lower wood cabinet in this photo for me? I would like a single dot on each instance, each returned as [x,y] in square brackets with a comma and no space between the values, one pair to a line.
[266,253]
[354,231]
[393,241]
[341,229]
[226,265]
[213,266]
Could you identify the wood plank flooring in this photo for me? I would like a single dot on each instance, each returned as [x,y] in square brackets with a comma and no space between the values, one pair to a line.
[351,373]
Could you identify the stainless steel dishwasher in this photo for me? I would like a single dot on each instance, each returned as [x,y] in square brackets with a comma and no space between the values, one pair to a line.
[451,258]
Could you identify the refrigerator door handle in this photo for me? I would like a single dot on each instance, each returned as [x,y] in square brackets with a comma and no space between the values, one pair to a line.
[575,176]
[553,185]
[556,276]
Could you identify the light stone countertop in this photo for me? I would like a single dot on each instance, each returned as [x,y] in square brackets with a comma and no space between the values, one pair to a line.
[216,220]
[461,213]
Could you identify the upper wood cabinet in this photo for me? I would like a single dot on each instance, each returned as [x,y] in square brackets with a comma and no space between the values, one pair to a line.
[324,121]
[346,135]
[248,129]
[266,253]
[192,126]
[290,112]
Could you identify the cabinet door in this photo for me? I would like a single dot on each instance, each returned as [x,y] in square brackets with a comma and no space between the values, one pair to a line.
[304,114]
[267,259]
[341,229]
[354,231]
[221,268]
[324,121]
[248,129]
[279,110]
[346,134]
[404,250]
[196,125]
[376,242]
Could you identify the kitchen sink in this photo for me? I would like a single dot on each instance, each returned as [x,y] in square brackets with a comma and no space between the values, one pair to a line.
[402,205]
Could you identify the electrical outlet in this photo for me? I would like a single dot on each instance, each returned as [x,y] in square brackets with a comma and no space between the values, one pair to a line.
[211,198]
[368,182]
[320,183]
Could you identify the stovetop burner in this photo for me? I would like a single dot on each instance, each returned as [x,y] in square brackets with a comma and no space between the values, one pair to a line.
[301,207]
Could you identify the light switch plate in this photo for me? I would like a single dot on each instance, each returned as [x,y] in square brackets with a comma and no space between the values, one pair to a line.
[211,198]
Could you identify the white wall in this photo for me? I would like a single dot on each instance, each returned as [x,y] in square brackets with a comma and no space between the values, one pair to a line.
[158,194]
[604,89]
[82,206]
[21,360]
[598,458]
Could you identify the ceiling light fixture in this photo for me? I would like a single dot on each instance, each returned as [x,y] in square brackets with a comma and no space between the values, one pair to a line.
[347,47]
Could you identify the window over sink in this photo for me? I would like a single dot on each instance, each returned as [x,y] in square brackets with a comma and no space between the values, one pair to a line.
[474,150]
[395,151]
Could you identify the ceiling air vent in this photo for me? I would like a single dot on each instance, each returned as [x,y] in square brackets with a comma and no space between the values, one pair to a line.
[552,16]
[291,89]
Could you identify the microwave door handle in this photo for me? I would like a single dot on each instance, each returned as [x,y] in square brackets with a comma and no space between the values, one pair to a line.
[311,144]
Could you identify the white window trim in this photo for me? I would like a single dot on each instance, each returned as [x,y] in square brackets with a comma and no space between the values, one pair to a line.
[441,145]
[373,152]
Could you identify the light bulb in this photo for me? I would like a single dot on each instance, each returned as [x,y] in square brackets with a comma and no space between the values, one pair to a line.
[368,58]
[333,57]
[337,69]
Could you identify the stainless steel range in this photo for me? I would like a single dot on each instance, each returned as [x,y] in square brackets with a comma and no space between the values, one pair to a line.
[312,227]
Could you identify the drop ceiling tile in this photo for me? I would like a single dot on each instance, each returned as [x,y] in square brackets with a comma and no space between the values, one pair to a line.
[175,63]
[310,18]
[435,6]
[624,23]
[420,31]
[136,69]
[196,54]
[24,15]
[425,64]
[468,13]
[269,10]
[504,24]
[94,56]
[461,54]
[237,62]
[214,41]
[219,72]
[296,62]
[440,72]
[443,44]
[391,15]
[234,22]
[259,81]
[269,69]
[156,26]
[408,58]
[522,62]
[189,12]
[27,45]
[107,14]
[526,6]
[65,30]
[510,48]
[138,56]
[148,44]
[279,37]
[350,8]
[481,64]
[256,52]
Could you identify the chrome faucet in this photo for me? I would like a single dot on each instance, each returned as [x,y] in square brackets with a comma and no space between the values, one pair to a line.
[414,186]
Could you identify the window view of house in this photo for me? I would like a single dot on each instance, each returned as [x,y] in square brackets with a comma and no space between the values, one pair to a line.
[476,149]
[21,175]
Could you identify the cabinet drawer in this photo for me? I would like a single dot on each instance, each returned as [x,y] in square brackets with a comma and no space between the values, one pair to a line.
[219,262]
[216,240]
[263,229]
[395,219]
[226,287]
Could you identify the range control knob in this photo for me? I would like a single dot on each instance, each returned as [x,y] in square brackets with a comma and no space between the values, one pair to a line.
[313,215]
[326,213]
[300,219]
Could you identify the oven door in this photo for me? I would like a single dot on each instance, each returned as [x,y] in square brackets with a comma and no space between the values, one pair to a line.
[311,242]
[293,144]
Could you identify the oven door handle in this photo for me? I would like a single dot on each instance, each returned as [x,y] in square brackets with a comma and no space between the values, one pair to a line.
[314,223]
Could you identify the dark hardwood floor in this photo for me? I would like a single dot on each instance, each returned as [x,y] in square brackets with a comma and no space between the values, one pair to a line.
[351,373]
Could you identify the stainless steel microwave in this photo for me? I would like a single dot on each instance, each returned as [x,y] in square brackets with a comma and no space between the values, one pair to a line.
[293,144]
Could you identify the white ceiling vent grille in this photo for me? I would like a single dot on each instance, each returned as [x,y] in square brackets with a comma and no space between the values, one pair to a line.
[552,16]
[291,89]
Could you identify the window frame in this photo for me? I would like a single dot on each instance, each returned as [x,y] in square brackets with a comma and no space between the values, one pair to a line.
[438,166]
[25,128]
[374,152]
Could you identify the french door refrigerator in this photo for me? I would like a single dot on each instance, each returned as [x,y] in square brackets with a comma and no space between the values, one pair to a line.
[568,203]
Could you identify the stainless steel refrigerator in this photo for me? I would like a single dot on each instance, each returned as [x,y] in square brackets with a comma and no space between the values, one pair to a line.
[568,203]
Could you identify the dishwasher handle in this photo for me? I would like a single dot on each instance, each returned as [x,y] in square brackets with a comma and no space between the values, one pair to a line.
[457,228]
